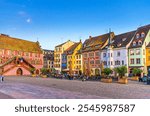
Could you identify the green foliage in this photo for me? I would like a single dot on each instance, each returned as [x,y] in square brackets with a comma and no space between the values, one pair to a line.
[32,70]
[107,71]
[121,70]
[136,71]
[44,70]
[53,71]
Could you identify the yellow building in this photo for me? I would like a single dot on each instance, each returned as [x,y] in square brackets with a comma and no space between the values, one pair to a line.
[59,50]
[74,58]
[148,58]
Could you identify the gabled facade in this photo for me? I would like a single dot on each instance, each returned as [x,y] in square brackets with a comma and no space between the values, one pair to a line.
[18,56]
[72,60]
[115,54]
[137,49]
[59,50]
[91,53]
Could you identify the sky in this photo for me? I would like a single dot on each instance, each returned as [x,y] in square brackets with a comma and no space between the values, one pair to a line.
[52,22]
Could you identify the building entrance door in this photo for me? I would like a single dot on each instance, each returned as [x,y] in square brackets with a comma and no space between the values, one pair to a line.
[19,71]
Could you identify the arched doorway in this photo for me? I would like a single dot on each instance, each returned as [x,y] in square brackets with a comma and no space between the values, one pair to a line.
[37,72]
[19,71]
[97,72]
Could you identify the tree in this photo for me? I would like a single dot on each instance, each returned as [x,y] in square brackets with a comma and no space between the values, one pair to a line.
[32,70]
[107,71]
[53,71]
[136,71]
[121,70]
[44,70]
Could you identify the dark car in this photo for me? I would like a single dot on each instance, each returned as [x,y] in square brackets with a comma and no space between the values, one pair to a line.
[148,80]
[144,79]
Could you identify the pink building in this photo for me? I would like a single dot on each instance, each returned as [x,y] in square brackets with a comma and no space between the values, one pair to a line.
[91,53]
[18,57]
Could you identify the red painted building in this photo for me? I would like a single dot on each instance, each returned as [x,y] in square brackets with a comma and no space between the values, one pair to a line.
[91,53]
[18,57]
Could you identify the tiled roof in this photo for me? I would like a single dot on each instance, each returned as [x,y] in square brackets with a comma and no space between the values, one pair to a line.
[7,42]
[71,48]
[45,50]
[122,40]
[140,30]
[95,43]
[62,44]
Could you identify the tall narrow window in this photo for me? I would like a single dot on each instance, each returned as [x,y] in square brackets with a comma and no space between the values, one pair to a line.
[118,53]
[138,61]
[137,51]
[131,61]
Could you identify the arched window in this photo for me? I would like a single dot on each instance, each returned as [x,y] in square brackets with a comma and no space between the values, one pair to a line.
[124,39]
[137,36]
[134,43]
[142,34]
[119,45]
[139,42]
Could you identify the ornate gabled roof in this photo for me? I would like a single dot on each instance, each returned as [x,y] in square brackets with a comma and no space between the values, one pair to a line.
[71,49]
[140,36]
[122,40]
[7,42]
[95,43]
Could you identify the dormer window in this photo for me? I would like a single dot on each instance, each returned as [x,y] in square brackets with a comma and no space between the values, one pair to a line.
[134,43]
[139,42]
[137,36]
[142,34]
[112,41]
[119,45]
[124,39]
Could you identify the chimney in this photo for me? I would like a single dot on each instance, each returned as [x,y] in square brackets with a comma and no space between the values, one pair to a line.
[80,40]
[90,37]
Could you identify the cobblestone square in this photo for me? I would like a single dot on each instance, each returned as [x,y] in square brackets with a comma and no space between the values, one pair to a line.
[50,88]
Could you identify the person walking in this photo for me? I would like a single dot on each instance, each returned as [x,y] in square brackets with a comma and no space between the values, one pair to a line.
[1,78]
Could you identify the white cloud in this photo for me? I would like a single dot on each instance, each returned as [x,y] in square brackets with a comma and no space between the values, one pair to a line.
[22,13]
[28,20]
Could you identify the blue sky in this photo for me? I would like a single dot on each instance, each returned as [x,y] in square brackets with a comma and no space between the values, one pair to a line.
[52,22]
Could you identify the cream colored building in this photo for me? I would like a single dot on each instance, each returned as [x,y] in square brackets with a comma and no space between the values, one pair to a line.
[59,50]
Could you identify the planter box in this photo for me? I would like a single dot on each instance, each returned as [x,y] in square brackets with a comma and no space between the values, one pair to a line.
[44,76]
[136,78]
[106,80]
[33,75]
[123,81]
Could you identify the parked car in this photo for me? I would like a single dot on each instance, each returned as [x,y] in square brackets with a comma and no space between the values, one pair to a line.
[148,80]
[144,79]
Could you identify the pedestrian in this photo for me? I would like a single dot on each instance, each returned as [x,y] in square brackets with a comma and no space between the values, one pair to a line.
[1,78]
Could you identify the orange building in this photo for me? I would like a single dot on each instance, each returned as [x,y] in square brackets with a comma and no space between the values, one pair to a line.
[18,57]
[148,58]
